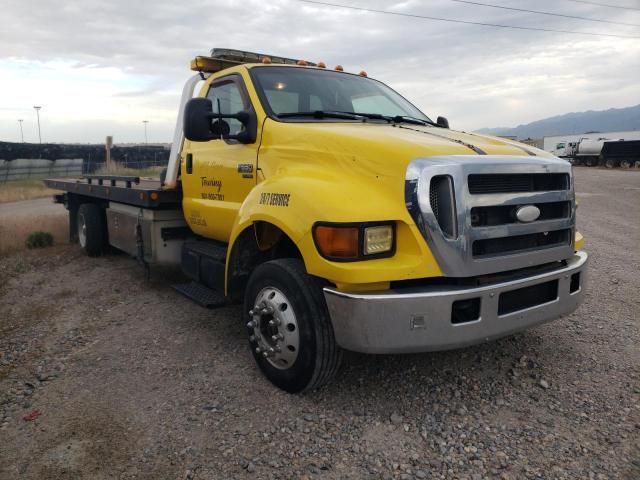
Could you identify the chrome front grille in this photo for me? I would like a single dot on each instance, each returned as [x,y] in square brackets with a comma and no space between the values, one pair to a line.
[517,182]
[505,214]
[466,208]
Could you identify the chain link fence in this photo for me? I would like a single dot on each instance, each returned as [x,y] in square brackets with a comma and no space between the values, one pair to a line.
[20,161]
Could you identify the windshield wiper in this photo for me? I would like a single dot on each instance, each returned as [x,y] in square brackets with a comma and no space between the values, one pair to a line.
[395,119]
[320,114]
[413,120]
[372,116]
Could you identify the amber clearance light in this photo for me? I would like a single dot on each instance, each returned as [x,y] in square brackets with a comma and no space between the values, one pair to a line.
[337,242]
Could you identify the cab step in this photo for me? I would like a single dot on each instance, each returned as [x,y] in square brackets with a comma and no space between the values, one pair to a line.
[203,296]
[203,261]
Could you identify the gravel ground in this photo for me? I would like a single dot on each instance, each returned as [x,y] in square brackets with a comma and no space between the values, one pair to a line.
[133,381]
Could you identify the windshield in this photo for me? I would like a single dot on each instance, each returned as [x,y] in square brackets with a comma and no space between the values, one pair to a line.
[289,90]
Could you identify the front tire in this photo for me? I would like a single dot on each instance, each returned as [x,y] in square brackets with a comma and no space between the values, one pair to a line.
[290,332]
[92,230]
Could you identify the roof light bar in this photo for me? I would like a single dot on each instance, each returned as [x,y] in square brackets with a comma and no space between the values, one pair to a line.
[222,58]
[241,56]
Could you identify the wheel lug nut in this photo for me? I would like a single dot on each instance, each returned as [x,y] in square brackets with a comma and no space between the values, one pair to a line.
[265,354]
[277,337]
[252,338]
[251,313]
[258,350]
[274,323]
[277,348]
[251,324]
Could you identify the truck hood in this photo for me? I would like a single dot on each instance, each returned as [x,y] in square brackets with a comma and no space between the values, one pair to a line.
[377,149]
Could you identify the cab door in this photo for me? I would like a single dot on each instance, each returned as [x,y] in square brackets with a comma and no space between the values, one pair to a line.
[218,175]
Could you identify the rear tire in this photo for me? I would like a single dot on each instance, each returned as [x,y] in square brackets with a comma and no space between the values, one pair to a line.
[92,229]
[626,163]
[290,332]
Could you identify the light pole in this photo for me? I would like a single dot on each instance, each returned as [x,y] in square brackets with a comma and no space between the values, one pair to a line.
[145,131]
[37,109]
[20,120]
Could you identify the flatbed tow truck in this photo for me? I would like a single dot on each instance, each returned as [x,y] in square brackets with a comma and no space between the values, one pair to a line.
[342,217]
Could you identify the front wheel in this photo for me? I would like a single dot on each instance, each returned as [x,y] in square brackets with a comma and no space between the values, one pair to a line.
[290,332]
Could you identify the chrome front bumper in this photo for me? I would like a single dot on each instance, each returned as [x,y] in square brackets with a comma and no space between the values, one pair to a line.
[420,320]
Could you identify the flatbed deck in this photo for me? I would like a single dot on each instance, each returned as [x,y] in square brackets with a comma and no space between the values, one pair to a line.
[140,192]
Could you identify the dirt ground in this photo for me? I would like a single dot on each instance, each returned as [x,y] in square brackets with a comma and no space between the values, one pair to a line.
[133,381]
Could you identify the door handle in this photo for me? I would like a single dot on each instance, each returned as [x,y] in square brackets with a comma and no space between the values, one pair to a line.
[189,163]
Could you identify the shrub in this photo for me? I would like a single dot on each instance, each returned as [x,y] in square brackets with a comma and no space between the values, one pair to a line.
[39,240]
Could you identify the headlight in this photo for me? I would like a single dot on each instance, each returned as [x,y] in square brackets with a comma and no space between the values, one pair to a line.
[351,242]
[377,239]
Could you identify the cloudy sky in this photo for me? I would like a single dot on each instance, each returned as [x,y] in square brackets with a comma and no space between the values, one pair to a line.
[102,67]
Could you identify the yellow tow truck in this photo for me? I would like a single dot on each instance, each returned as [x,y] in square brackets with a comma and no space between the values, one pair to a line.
[342,217]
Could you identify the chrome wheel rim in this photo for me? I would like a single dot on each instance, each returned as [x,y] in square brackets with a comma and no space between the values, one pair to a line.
[82,231]
[273,328]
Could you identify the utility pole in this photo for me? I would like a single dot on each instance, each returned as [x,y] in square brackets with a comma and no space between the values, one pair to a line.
[20,120]
[37,109]
[145,131]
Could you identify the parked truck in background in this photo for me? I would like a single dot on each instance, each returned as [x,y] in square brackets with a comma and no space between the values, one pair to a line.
[607,152]
[341,217]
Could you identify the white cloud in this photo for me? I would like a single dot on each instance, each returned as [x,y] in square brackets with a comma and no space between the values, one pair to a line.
[100,67]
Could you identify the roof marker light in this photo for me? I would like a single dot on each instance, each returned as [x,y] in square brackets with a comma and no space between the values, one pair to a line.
[301,62]
[266,60]
[363,73]
[322,65]
[339,68]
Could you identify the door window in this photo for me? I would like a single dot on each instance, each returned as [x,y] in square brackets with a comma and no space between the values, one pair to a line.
[228,96]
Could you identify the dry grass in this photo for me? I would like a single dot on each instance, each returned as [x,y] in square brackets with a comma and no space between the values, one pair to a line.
[24,190]
[14,231]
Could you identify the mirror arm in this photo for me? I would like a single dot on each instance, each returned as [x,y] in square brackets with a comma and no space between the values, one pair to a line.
[241,116]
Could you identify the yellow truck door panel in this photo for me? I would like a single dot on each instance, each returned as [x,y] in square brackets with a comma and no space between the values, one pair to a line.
[223,171]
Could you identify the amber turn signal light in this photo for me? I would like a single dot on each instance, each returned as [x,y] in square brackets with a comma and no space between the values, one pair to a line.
[337,242]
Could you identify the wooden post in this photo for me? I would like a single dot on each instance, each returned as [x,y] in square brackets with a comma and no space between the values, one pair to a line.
[108,144]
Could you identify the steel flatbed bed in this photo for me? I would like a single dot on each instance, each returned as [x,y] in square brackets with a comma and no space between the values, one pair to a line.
[136,191]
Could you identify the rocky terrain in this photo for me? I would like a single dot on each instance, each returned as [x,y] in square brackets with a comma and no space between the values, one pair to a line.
[104,375]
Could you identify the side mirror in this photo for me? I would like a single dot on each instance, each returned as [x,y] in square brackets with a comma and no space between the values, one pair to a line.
[197,120]
[442,122]
[198,126]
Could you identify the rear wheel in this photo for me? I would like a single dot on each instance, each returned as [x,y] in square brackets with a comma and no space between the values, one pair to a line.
[626,163]
[609,163]
[92,231]
[290,332]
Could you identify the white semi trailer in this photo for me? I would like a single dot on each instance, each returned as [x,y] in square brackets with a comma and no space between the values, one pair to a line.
[607,152]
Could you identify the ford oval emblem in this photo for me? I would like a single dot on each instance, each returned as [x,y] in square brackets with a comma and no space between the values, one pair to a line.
[527,213]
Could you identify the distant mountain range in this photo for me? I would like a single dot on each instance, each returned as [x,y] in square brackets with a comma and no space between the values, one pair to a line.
[612,120]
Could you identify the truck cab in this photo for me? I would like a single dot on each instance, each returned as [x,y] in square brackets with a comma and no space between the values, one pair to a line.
[343,217]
